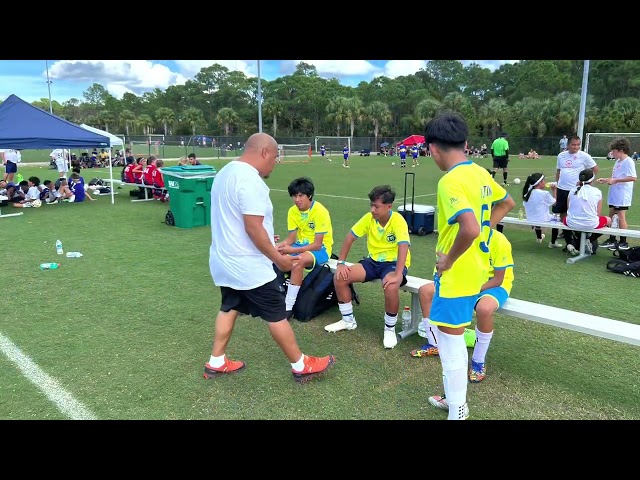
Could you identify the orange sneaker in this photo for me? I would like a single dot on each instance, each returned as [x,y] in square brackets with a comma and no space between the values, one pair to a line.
[229,366]
[313,367]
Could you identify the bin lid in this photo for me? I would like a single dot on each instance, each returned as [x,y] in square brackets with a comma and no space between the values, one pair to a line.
[189,171]
[417,208]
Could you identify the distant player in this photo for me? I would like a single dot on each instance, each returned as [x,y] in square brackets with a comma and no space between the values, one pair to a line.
[402,150]
[323,150]
[279,156]
[414,154]
[345,155]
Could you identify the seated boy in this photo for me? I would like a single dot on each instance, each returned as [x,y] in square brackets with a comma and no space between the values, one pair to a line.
[32,193]
[74,192]
[310,235]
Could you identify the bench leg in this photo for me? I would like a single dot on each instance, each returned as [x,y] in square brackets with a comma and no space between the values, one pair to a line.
[582,255]
[416,317]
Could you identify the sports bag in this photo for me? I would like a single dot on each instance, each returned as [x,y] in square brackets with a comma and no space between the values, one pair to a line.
[630,269]
[630,255]
[169,220]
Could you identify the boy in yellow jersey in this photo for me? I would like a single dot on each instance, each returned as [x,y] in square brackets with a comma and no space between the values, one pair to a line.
[493,294]
[310,235]
[470,202]
[388,260]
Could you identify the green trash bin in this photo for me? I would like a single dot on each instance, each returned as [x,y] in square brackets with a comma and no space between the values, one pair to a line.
[189,188]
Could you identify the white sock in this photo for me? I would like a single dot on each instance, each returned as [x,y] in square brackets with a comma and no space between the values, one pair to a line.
[482,346]
[432,332]
[346,309]
[216,362]
[299,365]
[454,360]
[390,322]
[292,294]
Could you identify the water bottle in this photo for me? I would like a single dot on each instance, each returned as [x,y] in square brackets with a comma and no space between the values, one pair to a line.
[74,255]
[49,266]
[422,328]
[521,214]
[406,319]
[59,250]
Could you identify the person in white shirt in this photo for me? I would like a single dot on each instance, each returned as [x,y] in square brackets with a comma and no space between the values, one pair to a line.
[563,143]
[60,156]
[536,201]
[585,205]
[32,194]
[10,159]
[620,190]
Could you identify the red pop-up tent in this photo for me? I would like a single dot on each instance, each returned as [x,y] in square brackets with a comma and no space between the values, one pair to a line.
[412,140]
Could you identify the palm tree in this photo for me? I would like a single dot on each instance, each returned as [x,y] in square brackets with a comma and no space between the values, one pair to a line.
[427,109]
[275,109]
[146,122]
[226,117]
[105,117]
[493,115]
[353,111]
[166,116]
[127,116]
[337,109]
[378,113]
[195,118]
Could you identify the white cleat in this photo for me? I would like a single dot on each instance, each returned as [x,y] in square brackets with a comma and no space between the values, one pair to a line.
[390,339]
[340,325]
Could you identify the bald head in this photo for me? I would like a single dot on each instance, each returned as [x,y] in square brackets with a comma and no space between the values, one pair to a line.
[258,141]
[260,151]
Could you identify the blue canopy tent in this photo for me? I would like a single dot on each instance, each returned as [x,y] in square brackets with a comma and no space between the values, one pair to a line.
[23,126]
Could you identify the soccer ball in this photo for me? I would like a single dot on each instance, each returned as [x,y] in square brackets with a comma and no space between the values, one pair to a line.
[36,203]
[330,160]
[516,181]
[393,164]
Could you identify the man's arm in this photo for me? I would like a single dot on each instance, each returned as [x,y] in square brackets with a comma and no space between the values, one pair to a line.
[557,175]
[316,245]
[258,235]
[595,169]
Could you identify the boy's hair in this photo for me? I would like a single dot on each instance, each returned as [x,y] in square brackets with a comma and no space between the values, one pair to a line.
[75,176]
[447,130]
[302,185]
[159,163]
[191,155]
[46,183]
[532,181]
[384,193]
[76,170]
[35,181]
[622,144]
[23,183]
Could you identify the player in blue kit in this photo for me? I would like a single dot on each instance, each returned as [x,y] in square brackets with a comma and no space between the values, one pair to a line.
[414,155]
[345,154]
[402,150]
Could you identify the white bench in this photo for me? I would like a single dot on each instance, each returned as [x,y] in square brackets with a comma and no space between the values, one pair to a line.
[583,233]
[558,317]
[4,198]
[147,188]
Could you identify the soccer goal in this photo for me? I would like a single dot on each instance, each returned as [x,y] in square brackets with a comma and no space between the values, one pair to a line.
[299,152]
[333,145]
[597,144]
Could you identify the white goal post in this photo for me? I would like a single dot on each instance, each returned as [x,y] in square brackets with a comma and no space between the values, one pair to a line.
[298,152]
[597,144]
[333,144]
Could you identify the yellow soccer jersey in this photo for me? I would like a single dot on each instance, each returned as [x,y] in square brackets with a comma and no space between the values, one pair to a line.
[310,223]
[382,242]
[467,187]
[501,258]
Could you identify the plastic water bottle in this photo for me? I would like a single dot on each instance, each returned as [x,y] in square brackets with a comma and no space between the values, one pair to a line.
[521,214]
[74,255]
[59,250]
[49,266]
[422,328]
[406,318]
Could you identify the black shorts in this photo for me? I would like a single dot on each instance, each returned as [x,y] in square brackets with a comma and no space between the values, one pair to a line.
[378,270]
[500,162]
[618,208]
[561,201]
[11,167]
[265,301]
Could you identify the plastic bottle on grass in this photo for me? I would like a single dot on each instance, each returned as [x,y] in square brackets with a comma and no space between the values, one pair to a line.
[74,255]
[59,250]
[521,214]
[49,266]
[406,318]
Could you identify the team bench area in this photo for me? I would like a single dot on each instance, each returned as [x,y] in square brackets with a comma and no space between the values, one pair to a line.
[583,233]
[536,312]
[148,189]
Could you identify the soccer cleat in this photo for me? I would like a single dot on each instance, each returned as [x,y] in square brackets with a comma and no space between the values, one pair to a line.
[505,184]
[572,250]
[340,325]
[441,403]
[229,366]
[623,246]
[608,243]
[613,247]
[539,240]
[477,372]
[313,367]
[390,339]
[426,350]
[615,221]
[594,247]
[555,245]
[588,248]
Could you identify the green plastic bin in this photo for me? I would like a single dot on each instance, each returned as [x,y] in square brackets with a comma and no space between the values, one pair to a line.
[189,188]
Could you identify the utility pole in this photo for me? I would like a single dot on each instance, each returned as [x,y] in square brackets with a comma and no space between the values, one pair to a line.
[583,100]
[259,100]
[49,87]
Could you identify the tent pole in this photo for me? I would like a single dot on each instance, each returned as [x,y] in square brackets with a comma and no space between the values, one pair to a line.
[111,176]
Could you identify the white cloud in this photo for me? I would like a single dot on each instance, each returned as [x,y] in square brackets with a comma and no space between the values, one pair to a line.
[189,68]
[398,68]
[341,68]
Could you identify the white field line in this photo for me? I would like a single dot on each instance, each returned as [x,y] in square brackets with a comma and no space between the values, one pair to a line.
[48,385]
[349,198]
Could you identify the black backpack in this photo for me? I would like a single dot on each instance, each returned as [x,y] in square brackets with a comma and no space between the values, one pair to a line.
[630,255]
[169,220]
[630,269]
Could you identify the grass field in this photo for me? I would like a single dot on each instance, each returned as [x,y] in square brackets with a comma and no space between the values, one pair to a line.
[124,332]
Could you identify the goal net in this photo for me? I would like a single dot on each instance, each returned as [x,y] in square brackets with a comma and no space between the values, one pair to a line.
[299,152]
[145,148]
[332,145]
[597,144]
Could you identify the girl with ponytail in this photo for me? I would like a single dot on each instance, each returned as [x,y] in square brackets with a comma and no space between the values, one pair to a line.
[536,203]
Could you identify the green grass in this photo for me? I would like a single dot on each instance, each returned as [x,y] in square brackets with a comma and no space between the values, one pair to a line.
[127,328]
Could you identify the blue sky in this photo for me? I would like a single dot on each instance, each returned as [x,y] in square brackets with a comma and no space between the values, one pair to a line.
[69,78]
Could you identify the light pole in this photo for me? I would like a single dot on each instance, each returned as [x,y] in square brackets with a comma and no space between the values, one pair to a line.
[259,100]
[49,87]
[583,100]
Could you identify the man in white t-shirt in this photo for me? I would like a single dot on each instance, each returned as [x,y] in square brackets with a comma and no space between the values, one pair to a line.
[242,257]
[569,165]
[620,190]
[10,159]
[60,156]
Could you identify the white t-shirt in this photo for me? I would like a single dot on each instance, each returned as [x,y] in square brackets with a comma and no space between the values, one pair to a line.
[583,212]
[58,155]
[33,194]
[570,165]
[537,207]
[234,261]
[620,194]
[13,156]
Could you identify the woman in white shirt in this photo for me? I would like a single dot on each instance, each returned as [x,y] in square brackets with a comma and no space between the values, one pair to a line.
[536,203]
[584,207]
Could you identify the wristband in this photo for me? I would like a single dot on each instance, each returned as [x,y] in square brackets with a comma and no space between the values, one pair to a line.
[341,262]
